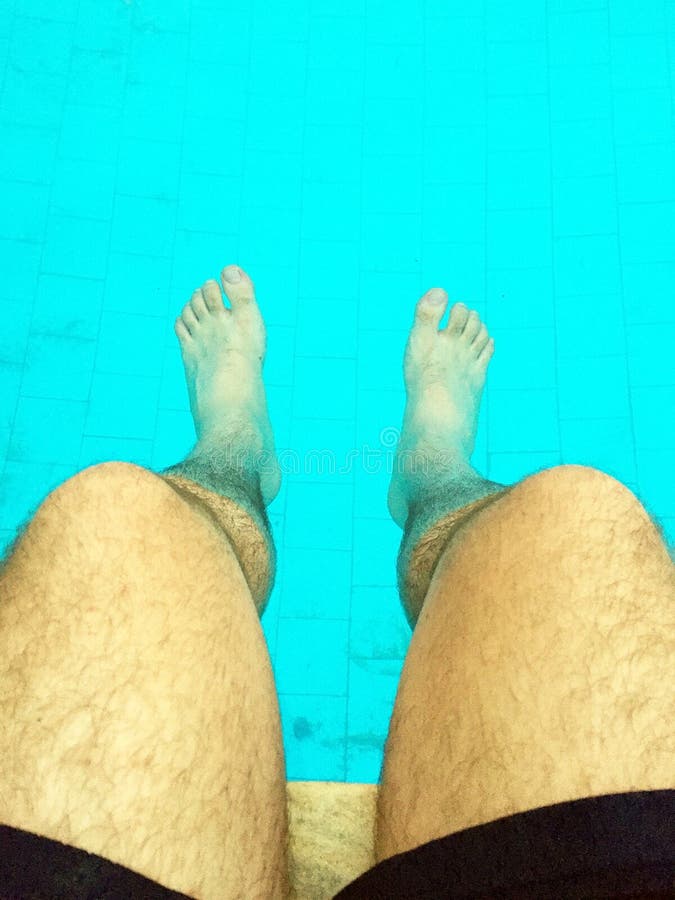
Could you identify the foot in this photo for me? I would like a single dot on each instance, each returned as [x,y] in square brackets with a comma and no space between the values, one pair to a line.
[223,353]
[444,376]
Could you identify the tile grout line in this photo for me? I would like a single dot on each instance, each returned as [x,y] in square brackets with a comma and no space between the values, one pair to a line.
[181,157]
[54,163]
[10,39]
[622,293]
[3,467]
[556,351]
[111,220]
[281,567]
[359,300]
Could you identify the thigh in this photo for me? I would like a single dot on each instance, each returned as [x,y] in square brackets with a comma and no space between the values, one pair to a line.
[541,667]
[139,718]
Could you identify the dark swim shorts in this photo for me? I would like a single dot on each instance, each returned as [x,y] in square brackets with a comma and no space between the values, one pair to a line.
[616,845]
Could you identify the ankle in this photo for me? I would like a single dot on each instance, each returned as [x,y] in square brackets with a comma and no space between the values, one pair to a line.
[230,494]
[225,470]
[436,495]
[435,514]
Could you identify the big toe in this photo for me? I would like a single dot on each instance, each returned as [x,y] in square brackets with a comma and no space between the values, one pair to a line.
[238,287]
[430,308]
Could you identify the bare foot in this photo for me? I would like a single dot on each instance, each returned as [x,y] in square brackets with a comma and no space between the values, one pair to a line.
[444,377]
[223,353]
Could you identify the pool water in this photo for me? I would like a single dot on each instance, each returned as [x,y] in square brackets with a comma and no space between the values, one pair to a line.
[349,154]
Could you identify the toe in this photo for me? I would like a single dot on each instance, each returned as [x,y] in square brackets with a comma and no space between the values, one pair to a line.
[458,319]
[481,341]
[212,296]
[240,293]
[472,327]
[181,332]
[189,316]
[430,308]
[198,305]
[487,352]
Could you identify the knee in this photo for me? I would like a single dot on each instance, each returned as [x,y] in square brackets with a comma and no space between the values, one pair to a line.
[573,474]
[579,484]
[114,471]
[122,484]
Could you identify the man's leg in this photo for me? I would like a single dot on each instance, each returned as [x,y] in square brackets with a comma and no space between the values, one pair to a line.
[542,663]
[139,717]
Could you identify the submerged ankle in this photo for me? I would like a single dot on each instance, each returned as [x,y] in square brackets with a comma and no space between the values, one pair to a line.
[223,472]
[433,520]
[444,493]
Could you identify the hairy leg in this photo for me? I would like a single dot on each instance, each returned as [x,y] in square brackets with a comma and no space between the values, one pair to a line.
[139,715]
[541,666]
[139,712]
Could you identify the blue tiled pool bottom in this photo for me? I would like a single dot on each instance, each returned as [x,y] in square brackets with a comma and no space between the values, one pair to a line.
[349,156]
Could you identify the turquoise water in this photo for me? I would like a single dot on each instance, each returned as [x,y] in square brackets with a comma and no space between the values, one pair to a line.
[349,154]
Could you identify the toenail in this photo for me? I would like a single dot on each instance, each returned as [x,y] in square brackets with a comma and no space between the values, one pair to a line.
[437,297]
[232,274]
